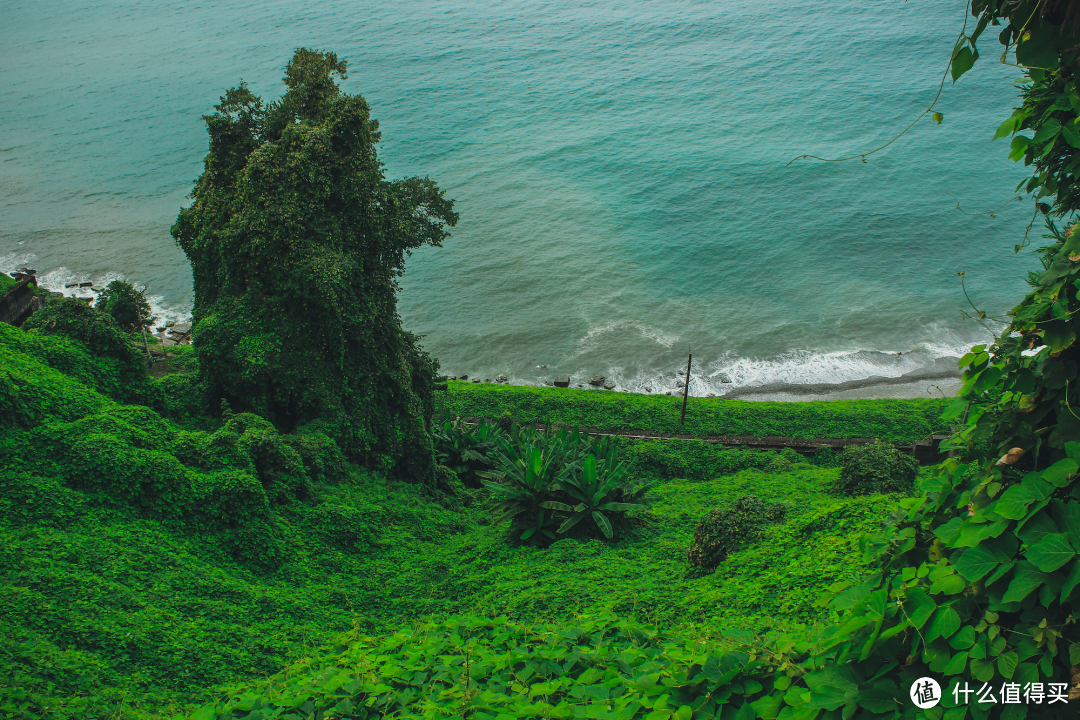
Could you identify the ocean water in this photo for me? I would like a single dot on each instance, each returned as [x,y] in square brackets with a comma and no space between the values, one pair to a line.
[621,171]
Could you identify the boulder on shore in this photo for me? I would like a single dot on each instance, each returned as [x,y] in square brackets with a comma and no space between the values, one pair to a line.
[562,381]
[609,386]
[596,380]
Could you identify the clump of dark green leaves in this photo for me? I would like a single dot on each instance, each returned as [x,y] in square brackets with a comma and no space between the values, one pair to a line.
[548,482]
[725,530]
[466,449]
[876,468]
[127,305]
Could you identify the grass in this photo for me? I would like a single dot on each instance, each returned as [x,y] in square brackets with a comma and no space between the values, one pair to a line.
[115,606]
[899,421]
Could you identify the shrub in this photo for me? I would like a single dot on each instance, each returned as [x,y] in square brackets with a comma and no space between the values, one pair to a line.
[126,305]
[875,469]
[464,449]
[722,532]
[792,455]
[98,331]
[548,480]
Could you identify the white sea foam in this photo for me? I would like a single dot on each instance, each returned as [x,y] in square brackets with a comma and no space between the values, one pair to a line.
[57,279]
[592,338]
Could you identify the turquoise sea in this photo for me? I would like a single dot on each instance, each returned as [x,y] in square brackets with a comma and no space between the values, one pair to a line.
[620,169]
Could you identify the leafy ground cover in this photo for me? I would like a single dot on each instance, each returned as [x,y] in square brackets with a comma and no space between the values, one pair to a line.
[115,607]
[900,421]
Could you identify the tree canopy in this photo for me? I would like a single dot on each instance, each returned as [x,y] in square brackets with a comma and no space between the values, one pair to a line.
[296,240]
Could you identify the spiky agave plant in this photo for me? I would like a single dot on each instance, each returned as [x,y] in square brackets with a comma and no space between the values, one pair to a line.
[524,477]
[595,489]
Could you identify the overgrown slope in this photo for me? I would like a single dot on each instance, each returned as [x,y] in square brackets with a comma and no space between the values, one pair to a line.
[145,562]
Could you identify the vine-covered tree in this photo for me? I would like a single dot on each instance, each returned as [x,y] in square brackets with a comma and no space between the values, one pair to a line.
[126,304]
[296,240]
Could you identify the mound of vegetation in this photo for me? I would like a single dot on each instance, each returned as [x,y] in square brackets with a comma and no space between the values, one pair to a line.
[875,468]
[726,529]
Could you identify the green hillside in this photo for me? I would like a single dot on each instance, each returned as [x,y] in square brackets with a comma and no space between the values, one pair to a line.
[152,555]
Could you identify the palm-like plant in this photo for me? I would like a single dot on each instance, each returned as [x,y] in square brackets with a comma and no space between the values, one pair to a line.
[524,477]
[465,450]
[539,476]
[595,489]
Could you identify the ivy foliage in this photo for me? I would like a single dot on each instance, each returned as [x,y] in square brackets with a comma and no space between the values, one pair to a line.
[296,240]
[87,344]
[901,421]
[724,530]
[875,468]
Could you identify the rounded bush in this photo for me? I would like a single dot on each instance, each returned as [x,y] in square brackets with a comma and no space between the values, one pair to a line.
[723,531]
[876,468]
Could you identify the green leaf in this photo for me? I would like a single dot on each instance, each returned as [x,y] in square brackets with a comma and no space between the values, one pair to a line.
[963,639]
[603,523]
[963,60]
[1069,132]
[881,698]
[1013,502]
[1006,663]
[1027,579]
[1049,129]
[1000,573]
[950,584]
[1051,553]
[1071,582]
[946,622]
[1061,472]
[1006,129]
[767,707]
[918,607]
[988,379]
[974,563]
[982,670]
[956,664]
[829,697]
[1019,146]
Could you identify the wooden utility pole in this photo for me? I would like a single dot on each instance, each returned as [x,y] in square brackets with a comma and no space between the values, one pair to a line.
[686,389]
